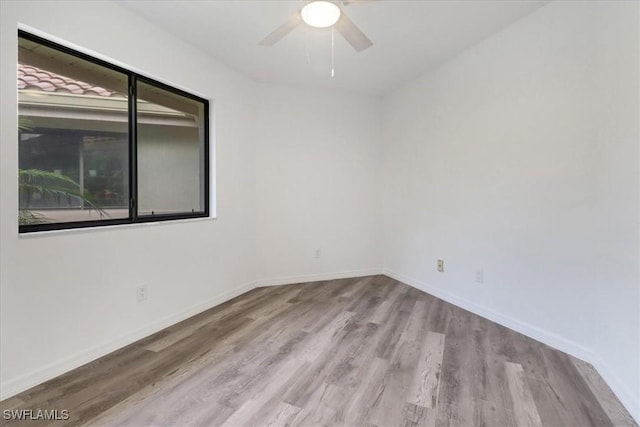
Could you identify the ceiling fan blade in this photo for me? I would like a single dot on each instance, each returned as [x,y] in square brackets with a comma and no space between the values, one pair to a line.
[276,35]
[352,33]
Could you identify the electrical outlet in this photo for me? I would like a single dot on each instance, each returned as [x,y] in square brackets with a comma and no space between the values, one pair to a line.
[441,265]
[142,293]
[480,275]
[317,254]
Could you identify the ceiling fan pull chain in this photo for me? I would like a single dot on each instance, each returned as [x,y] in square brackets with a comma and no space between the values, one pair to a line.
[333,71]
[308,54]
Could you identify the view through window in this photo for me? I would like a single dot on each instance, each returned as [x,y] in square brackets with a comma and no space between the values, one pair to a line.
[99,145]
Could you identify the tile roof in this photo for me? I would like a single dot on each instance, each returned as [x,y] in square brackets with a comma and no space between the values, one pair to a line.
[33,78]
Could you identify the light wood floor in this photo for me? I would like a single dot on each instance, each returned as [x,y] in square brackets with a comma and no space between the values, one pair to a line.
[355,352]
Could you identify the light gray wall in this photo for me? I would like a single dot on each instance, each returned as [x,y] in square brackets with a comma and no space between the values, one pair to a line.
[520,157]
[317,187]
[169,169]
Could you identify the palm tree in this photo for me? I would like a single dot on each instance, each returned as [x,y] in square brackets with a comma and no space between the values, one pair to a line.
[45,184]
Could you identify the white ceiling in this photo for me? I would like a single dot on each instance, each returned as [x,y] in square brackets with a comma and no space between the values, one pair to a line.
[410,37]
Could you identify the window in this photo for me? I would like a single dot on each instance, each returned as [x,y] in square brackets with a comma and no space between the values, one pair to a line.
[100,145]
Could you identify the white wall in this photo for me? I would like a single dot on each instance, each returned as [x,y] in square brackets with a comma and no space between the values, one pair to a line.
[520,157]
[317,166]
[70,296]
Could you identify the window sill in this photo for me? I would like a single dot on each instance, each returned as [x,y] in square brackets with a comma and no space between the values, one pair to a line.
[104,228]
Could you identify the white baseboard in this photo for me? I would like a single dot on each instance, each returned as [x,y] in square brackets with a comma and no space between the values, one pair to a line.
[288,280]
[621,391]
[24,382]
[577,350]
[549,338]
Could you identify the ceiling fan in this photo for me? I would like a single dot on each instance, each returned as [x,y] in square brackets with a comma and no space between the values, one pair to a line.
[323,14]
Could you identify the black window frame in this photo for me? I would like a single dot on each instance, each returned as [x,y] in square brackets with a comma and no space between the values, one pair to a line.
[133,79]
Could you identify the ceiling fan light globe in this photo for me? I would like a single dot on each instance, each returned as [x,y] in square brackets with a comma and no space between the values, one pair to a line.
[320,14]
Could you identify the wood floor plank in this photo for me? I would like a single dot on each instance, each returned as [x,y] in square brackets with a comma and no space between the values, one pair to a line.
[284,415]
[617,413]
[413,329]
[459,393]
[366,397]
[426,382]
[251,411]
[395,385]
[325,367]
[523,403]
[397,321]
[551,375]
[11,403]
[366,351]
[170,392]
[325,407]
[118,388]
[418,416]
[248,375]
[177,335]
[324,337]
[258,299]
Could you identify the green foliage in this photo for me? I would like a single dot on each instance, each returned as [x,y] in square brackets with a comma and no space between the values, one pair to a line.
[23,123]
[47,185]
[32,182]
[27,217]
